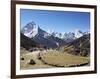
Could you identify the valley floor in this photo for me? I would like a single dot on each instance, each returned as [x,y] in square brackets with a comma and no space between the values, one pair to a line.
[50,58]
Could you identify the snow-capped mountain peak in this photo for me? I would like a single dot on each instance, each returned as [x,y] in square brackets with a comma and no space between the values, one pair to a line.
[78,33]
[30,30]
[69,36]
[34,32]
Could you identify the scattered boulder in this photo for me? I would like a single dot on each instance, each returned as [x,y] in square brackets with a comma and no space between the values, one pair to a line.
[39,58]
[22,58]
[32,62]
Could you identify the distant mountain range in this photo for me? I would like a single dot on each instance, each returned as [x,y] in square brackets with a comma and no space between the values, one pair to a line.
[70,36]
[50,39]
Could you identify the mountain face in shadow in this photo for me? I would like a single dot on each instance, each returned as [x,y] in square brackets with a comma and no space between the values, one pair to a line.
[80,46]
[27,43]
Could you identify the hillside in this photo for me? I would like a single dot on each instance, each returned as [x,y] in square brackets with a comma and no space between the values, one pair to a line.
[27,43]
[80,46]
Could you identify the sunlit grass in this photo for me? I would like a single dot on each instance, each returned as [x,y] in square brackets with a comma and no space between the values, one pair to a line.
[50,58]
[61,59]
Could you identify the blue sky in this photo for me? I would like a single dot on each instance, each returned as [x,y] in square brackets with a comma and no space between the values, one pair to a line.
[59,21]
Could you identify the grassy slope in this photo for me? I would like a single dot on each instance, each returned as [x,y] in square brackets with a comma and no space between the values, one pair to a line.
[80,46]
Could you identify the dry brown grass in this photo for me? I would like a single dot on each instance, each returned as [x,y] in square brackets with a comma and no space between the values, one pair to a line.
[63,59]
[24,64]
[49,59]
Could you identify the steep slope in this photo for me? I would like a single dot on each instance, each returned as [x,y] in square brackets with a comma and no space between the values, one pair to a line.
[69,37]
[80,46]
[78,33]
[27,43]
[34,32]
